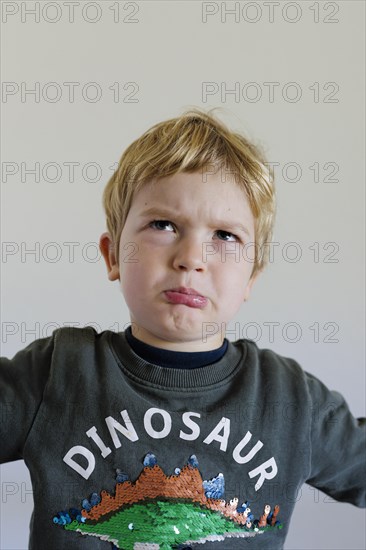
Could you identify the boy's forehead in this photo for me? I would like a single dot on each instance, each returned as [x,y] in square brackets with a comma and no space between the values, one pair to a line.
[186,182]
[192,190]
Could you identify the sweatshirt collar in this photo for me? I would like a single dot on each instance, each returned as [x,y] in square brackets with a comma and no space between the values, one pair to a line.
[182,378]
[174,359]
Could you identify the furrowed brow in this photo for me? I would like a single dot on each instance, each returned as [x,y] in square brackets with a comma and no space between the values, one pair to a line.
[157,211]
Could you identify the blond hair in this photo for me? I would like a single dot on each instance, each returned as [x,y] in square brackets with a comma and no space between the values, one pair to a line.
[194,141]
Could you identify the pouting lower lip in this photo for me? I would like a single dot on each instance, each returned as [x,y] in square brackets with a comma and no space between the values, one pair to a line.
[191,300]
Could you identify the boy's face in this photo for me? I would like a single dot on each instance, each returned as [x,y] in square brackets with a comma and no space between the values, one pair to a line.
[193,246]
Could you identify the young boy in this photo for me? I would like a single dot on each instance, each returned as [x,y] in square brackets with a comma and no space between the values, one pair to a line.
[168,435]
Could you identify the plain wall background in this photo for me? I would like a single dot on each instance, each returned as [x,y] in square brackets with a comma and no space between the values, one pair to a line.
[168,51]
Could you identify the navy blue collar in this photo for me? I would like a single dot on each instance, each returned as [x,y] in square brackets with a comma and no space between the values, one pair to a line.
[175,359]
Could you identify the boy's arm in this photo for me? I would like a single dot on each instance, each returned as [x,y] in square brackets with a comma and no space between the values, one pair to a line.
[22,382]
[338,447]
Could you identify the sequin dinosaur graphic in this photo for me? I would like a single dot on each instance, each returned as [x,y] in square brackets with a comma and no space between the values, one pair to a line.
[165,512]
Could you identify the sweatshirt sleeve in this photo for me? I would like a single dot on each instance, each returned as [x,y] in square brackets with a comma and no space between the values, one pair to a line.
[22,382]
[338,446]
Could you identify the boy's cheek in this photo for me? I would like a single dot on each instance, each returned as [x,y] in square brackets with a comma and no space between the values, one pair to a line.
[129,252]
[132,283]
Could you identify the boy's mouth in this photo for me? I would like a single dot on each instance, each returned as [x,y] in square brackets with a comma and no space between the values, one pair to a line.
[186,296]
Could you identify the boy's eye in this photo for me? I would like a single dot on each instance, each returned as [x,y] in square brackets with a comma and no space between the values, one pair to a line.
[227,233]
[155,223]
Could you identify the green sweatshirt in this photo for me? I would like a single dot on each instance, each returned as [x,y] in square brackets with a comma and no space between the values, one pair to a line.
[124,453]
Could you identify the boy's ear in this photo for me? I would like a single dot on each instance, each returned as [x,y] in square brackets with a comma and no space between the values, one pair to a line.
[107,249]
[250,284]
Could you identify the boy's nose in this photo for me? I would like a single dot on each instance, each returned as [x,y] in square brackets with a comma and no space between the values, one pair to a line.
[189,255]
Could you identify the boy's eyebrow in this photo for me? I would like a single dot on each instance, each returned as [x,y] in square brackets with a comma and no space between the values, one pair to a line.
[161,211]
